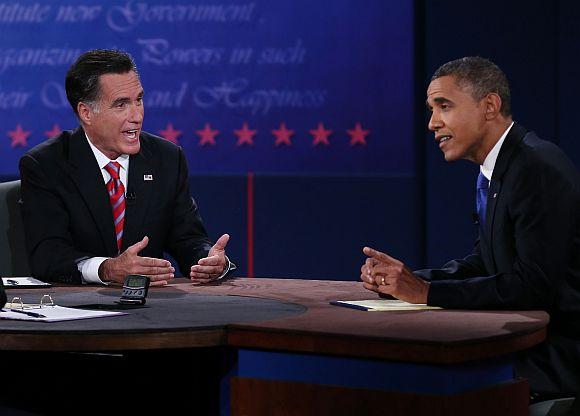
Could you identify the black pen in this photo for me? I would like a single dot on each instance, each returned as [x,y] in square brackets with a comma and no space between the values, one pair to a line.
[33,314]
[12,282]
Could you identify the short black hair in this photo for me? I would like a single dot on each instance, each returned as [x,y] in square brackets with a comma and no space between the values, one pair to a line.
[82,78]
[481,76]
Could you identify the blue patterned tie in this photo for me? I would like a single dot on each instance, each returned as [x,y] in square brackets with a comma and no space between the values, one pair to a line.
[481,199]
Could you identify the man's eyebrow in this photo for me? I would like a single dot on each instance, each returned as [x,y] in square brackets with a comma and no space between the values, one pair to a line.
[441,100]
[438,100]
[120,100]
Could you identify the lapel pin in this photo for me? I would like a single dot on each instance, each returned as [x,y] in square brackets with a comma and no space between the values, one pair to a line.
[147,177]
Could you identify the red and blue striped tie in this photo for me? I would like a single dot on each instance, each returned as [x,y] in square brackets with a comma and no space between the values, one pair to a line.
[117,198]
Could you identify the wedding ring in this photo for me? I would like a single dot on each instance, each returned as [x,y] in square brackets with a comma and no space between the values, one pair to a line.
[383,281]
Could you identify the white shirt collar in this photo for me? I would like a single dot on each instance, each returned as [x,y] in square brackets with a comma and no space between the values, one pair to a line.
[103,160]
[491,158]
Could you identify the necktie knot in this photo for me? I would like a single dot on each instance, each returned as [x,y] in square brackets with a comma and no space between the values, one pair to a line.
[482,182]
[113,169]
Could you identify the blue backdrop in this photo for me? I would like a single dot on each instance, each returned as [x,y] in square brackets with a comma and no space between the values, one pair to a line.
[309,209]
[315,98]
[262,86]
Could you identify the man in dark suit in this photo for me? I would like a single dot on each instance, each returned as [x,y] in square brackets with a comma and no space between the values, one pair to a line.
[107,200]
[528,252]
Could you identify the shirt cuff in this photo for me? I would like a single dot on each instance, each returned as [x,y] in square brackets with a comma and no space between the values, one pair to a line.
[89,269]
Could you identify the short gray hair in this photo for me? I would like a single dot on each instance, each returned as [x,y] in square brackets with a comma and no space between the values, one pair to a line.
[481,76]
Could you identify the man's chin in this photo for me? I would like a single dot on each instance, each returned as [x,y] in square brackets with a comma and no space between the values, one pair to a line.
[450,156]
[132,149]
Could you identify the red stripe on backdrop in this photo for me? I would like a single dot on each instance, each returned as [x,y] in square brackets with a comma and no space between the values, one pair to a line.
[250,220]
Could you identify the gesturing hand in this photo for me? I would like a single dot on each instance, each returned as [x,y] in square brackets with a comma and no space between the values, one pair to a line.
[128,262]
[382,273]
[211,267]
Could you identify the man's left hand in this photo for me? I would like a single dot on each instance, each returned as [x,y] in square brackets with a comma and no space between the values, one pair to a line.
[382,273]
[211,267]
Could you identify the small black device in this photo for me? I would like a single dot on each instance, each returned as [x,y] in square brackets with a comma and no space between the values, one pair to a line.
[135,290]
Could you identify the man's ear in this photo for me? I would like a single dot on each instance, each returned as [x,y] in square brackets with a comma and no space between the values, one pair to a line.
[492,103]
[85,113]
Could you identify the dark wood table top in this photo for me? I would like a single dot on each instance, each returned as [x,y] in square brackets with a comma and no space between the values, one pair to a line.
[434,336]
[306,323]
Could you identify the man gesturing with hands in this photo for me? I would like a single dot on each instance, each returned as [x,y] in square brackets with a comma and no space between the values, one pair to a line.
[383,274]
[108,199]
[160,271]
[527,200]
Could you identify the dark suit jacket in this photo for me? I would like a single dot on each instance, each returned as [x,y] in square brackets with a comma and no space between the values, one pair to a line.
[528,254]
[526,257]
[67,215]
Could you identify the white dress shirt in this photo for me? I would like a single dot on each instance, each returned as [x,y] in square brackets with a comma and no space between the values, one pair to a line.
[489,162]
[89,268]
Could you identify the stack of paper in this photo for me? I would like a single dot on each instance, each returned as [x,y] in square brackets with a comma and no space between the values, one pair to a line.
[382,305]
[52,313]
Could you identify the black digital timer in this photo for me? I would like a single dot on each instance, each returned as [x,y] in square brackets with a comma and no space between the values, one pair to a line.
[135,290]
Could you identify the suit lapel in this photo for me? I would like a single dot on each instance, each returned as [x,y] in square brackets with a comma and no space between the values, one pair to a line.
[141,183]
[514,136]
[86,174]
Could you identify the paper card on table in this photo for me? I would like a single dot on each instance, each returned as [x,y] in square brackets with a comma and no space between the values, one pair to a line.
[23,282]
[382,305]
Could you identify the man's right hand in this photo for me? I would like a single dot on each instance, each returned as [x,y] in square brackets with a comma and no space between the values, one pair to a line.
[129,262]
[382,273]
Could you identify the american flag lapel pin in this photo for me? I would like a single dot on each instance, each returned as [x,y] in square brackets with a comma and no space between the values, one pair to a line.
[147,177]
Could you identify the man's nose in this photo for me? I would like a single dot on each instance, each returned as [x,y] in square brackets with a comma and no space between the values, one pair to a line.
[435,122]
[136,113]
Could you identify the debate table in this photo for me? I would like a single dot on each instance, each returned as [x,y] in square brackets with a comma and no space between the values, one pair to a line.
[268,346]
